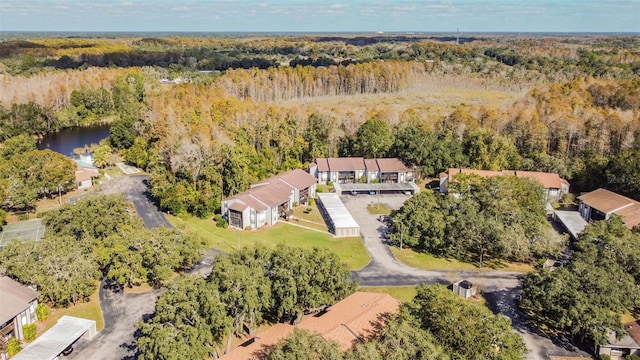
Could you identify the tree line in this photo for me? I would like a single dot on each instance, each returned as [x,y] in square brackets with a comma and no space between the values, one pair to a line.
[495,218]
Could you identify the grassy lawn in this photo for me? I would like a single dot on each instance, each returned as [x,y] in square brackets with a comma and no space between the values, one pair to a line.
[402,293]
[378,209]
[430,262]
[350,250]
[89,310]
[313,215]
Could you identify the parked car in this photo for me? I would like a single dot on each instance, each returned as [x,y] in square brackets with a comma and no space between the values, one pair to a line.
[67,351]
[385,219]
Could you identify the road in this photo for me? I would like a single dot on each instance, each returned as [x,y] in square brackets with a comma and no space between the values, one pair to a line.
[121,311]
[500,288]
[136,189]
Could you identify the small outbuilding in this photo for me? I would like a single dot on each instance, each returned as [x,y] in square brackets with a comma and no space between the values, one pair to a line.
[464,288]
[338,218]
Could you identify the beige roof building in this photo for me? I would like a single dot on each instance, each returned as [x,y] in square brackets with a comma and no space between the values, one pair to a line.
[17,307]
[346,322]
[601,203]
[554,185]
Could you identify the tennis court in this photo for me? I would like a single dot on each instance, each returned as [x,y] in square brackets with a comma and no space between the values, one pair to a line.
[22,230]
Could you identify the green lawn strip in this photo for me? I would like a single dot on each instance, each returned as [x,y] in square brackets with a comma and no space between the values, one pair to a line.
[401,293]
[87,310]
[314,215]
[378,209]
[350,250]
[430,262]
[311,224]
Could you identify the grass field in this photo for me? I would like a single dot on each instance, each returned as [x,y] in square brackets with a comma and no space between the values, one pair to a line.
[378,209]
[350,250]
[89,310]
[430,262]
[402,293]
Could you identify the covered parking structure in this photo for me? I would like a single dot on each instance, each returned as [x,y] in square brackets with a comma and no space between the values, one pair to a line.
[338,218]
[572,221]
[377,189]
[63,334]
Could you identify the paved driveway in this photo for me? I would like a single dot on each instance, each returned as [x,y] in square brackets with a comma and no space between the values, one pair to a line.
[500,288]
[121,311]
[136,189]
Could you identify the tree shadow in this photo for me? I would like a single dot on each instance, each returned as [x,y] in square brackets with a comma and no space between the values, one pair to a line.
[505,302]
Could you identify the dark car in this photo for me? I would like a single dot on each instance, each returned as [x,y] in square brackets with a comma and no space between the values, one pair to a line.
[384,219]
[67,351]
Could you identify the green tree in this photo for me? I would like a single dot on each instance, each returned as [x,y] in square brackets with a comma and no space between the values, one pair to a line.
[19,144]
[102,155]
[490,151]
[317,136]
[398,337]
[373,139]
[189,321]
[137,153]
[243,289]
[302,344]
[432,152]
[465,329]
[623,173]
[306,281]
[38,173]
[604,276]
[63,273]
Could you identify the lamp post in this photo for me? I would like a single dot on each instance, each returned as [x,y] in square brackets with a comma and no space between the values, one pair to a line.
[401,228]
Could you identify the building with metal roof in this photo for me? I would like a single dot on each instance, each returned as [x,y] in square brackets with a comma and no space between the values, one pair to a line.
[62,335]
[338,218]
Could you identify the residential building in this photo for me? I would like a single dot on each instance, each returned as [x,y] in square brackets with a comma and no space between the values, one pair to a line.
[85,176]
[17,307]
[349,321]
[348,170]
[554,185]
[600,204]
[269,200]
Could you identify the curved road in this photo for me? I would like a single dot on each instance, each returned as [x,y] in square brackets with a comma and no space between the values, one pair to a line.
[500,288]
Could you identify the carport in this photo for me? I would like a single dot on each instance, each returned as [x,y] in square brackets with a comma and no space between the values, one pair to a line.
[64,333]
[338,218]
[572,221]
[380,188]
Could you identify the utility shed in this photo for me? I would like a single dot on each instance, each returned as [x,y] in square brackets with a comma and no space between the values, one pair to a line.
[464,288]
[339,220]
[64,333]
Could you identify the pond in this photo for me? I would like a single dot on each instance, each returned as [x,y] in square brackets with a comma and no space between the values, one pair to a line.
[64,141]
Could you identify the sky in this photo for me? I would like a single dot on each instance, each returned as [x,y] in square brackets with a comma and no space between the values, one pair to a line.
[321,16]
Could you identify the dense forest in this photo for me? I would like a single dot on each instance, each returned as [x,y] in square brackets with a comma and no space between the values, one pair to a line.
[246,108]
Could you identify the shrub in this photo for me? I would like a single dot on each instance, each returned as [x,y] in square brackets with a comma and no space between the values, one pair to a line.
[13,347]
[632,357]
[329,183]
[29,332]
[311,201]
[42,312]
[23,216]
[220,221]
[605,357]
